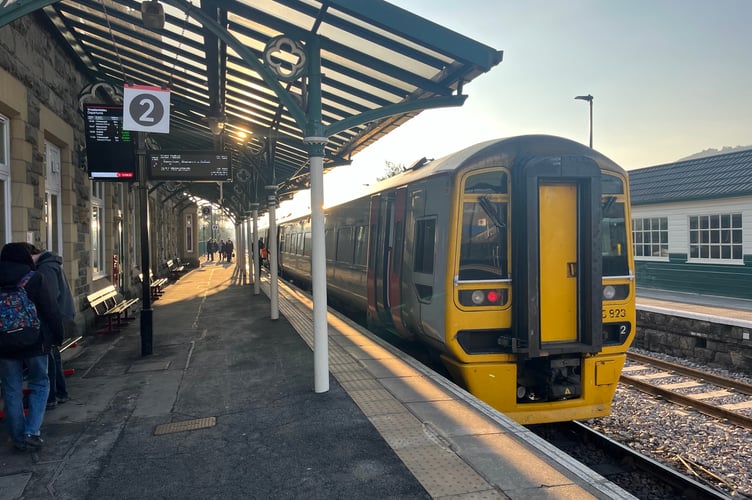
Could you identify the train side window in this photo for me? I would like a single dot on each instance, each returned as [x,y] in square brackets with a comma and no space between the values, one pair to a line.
[345,245]
[307,243]
[425,245]
[614,253]
[329,242]
[361,245]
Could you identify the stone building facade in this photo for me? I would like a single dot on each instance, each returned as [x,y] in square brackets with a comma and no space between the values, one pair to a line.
[46,195]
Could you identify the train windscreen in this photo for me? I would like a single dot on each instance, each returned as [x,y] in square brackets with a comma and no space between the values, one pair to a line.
[613,228]
[483,249]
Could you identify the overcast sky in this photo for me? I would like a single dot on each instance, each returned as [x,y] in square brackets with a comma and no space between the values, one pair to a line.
[669,78]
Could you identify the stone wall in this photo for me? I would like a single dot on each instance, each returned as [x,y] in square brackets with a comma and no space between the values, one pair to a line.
[714,344]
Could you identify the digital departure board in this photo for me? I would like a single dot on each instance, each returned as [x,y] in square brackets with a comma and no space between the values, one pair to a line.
[197,166]
[110,150]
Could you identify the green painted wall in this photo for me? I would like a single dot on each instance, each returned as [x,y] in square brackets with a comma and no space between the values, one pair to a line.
[710,279]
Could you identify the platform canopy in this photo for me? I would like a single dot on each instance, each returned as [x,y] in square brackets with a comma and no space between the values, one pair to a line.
[242,76]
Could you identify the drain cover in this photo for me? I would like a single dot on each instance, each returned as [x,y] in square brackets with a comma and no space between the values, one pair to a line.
[185,425]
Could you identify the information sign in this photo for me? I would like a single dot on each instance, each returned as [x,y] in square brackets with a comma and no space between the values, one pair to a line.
[110,150]
[196,166]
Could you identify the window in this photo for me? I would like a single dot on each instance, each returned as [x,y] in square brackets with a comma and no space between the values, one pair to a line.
[614,250]
[361,245]
[5,235]
[52,203]
[189,233]
[650,237]
[483,237]
[425,245]
[715,237]
[345,244]
[98,267]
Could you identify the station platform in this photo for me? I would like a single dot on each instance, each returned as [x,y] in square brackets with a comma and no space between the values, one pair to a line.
[725,310]
[224,407]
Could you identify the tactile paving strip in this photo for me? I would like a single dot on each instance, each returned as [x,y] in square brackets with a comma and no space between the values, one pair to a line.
[185,425]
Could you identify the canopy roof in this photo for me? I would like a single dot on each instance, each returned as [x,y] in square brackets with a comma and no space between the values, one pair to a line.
[247,64]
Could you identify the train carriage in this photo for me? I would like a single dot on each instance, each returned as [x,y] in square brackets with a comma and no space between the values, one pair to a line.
[510,259]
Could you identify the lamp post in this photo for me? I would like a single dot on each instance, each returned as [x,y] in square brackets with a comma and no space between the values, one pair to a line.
[589,99]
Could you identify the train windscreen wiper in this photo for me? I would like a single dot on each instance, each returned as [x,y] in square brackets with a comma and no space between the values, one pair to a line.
[491,211]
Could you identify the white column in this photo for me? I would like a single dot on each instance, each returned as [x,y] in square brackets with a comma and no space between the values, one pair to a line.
[255,253]
[318,272]
[271,247]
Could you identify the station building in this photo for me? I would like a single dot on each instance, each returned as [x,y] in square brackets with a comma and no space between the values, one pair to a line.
[46,195]
[692,225]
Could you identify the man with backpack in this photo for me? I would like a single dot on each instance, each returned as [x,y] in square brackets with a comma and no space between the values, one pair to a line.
[25,304]
[50,265]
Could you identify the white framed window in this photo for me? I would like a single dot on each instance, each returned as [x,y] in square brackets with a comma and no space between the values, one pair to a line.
[189,233]
[716,237]
[52,199]
[650,237]
[5,211]
[98,267]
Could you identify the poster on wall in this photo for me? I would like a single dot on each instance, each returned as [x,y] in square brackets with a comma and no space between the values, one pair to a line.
[110,150]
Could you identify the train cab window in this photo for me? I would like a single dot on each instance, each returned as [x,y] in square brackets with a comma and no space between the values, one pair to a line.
[487,183]
[425,245]
[483,246]
[613,228]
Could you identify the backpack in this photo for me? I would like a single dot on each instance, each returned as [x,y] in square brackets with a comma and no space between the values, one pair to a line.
[19,321]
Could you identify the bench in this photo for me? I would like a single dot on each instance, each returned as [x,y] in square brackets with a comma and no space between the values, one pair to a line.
[155,284]
[175,269]
[108,303]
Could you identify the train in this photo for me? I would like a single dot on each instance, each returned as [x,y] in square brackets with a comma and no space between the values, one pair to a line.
[511,260]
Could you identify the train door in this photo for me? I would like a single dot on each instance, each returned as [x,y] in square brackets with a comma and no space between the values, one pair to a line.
[558,297]
[379,247]
[397,231]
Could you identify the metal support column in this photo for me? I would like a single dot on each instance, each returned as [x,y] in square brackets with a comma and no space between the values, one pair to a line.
[146,316]
[315,141]
[255,253]
[271,248]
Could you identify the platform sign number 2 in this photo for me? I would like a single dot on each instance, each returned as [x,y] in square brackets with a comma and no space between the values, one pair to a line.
[146,109]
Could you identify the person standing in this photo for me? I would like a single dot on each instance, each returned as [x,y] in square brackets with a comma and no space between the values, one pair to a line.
[15,266]
[229,248]
[221,250]
[50,265]
[210,249]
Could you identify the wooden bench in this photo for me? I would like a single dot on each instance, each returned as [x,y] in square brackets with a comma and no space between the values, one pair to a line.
[108,303]
[155,284]
[175,269]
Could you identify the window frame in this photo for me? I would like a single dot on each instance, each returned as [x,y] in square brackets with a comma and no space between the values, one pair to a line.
[710,244]
[663,254]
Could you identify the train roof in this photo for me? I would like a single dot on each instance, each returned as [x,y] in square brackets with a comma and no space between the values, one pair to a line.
[508,150]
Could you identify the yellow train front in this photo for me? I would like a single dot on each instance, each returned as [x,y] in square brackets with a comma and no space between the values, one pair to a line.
[511,259]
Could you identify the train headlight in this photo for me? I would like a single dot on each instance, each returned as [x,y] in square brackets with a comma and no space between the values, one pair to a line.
[478,297]
[615,292]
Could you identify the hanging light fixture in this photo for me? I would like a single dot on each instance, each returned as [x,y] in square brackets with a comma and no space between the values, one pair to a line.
[216,123]
[152,14]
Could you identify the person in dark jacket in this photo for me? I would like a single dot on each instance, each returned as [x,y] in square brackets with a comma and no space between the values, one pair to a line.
[229,249]
[50,265]
[15,263]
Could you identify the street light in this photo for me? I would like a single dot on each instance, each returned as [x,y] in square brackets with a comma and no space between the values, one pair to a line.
[589,99]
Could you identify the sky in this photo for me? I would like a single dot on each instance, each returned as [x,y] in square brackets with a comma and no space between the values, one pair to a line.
[669,78]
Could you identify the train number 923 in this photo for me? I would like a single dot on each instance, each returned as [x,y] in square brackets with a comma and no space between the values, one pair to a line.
[614,313]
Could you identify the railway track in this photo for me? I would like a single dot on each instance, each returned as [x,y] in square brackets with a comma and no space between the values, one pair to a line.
[731,399]
[639,474]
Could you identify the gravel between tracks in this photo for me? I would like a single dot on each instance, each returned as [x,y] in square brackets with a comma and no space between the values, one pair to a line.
[670,434]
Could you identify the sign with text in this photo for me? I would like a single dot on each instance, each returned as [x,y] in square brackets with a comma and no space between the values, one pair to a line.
[110,150]
[196,166]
